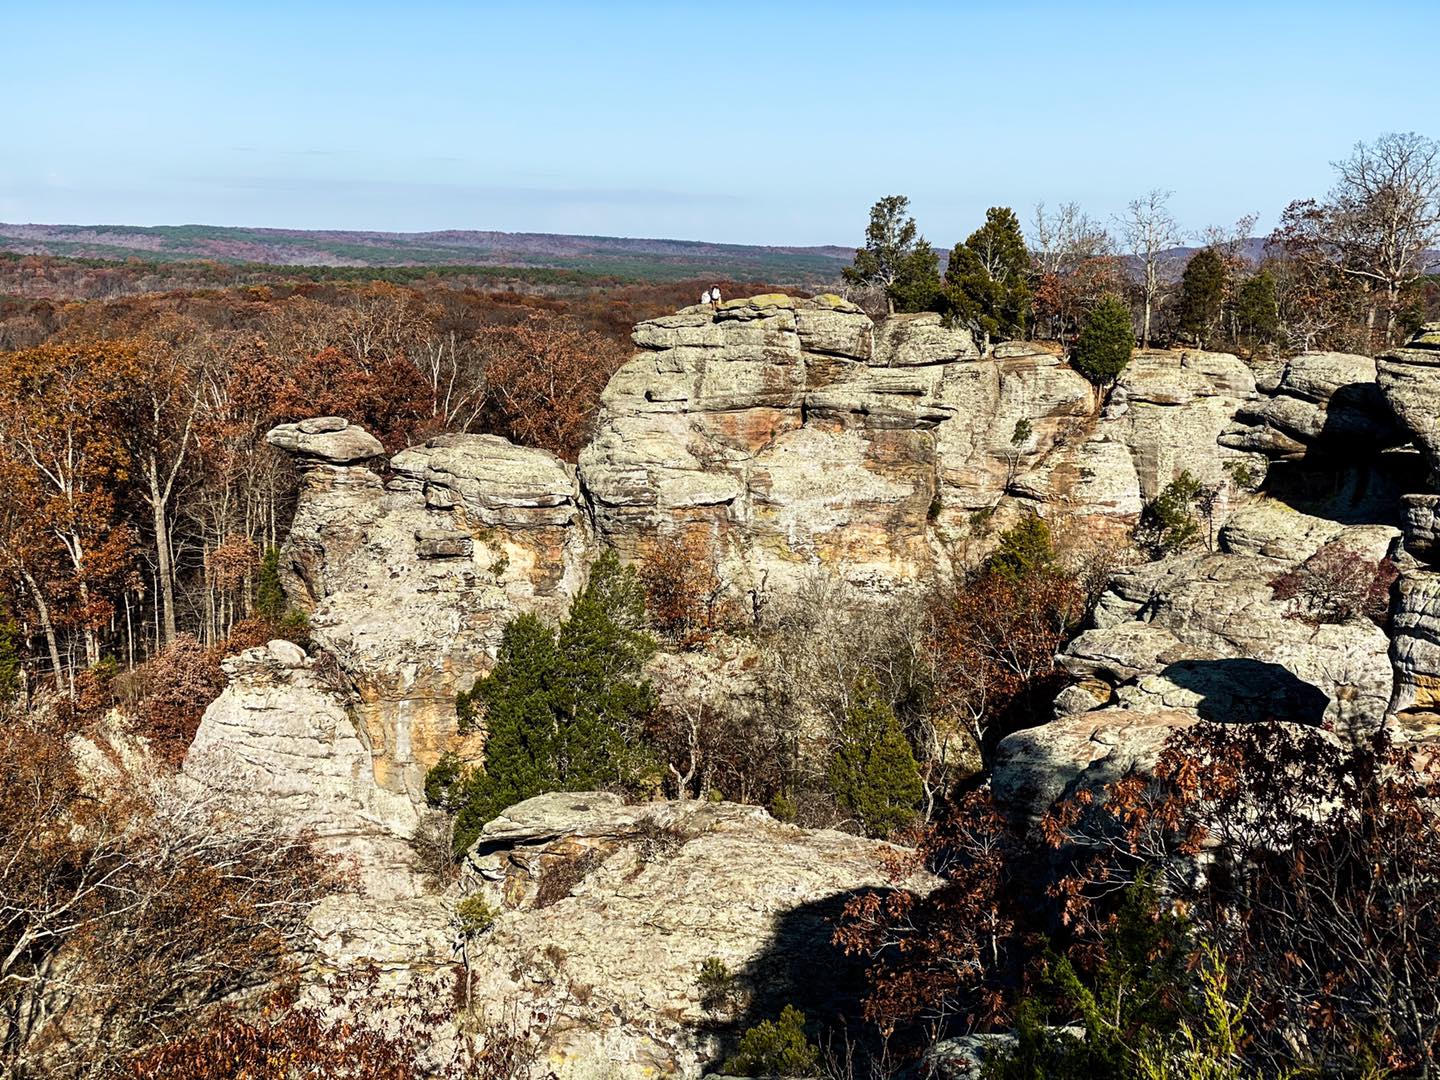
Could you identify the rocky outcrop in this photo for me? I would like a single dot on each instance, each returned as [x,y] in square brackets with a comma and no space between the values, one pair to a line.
[1205,632]
[1316,400]
[410,576]
[1409,377]
[795,433]
[283,732]
[604,914]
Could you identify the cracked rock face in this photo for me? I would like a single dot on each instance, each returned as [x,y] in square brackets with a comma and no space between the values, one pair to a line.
[410,577]
[1316,400]
[608,911]
[282,731]
[1409,377]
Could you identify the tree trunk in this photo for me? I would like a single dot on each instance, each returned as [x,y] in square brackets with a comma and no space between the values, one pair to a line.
[163,562]
[42,609]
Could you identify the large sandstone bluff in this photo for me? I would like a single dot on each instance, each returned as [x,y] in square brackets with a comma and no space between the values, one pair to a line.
[795,438]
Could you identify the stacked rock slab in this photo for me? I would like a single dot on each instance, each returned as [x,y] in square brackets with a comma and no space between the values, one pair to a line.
[792,434]
[1410,378]
[410,577]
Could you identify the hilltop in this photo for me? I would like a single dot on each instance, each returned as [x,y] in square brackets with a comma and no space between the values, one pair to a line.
[620,257]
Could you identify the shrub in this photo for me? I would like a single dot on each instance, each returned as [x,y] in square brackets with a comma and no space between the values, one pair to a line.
[1337,584]
[991,643]
[1105,343]
[776,1048]
[783,808]
[432,843]
[682,589]
[475,915]
[720,992]
[1167,524]
[179,684]
[1136,992]
[12,651]
[873,773]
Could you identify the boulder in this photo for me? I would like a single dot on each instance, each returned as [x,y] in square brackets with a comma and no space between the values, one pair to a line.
[1038,767]
[605,913]
[330,440]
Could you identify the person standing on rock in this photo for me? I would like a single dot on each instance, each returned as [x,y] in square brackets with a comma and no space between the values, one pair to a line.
[705,297]
[714,296]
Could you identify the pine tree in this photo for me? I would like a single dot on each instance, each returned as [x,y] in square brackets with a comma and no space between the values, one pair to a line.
[1106,342]
[1257,309]
[897,259]
[1024,549]
[986,282]
[1202,294]
[269,593]
[873,773]
[562,710]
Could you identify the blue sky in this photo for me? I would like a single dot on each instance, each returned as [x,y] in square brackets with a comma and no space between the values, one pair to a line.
[773,123]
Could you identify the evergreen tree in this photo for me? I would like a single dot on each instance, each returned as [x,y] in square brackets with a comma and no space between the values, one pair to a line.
[776,1048]
[897,259]
[986,282]
[1136,998]
[1024,549]
[562,711]
[873,773]
[12,646]
[1106,342]
[1202,294]
[269,594]
[1257,308]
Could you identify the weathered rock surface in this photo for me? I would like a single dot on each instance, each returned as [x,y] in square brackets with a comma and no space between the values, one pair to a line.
[1038,767]
[1409,377]
[795,433]
[409,579]
[1243,657]
[1314,400]
[1415,652]
[607,911]
[282,731]
[330,439]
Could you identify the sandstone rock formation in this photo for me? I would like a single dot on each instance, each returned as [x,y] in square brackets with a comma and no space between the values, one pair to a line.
[282,731]
[1316,400]
[608,911]
[1410,380]
[410,577]
[795,433]
[1204,632]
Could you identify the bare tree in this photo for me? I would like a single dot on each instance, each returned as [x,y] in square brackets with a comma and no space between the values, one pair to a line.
[1384,216]
[1149,232]
[1061,241]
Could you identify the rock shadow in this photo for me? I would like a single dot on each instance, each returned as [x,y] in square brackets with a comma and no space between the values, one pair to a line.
[801,966]
[1249,691]
[1359,465]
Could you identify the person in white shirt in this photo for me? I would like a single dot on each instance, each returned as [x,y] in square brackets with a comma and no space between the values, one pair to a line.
[705,297]
[714,295]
